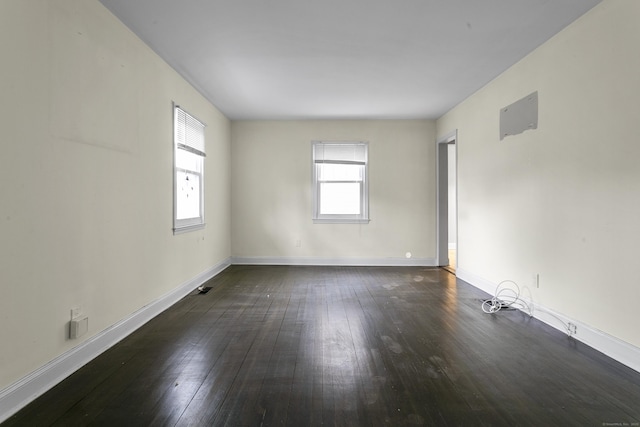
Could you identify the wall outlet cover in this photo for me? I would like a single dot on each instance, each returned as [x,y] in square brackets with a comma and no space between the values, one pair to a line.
[78,327]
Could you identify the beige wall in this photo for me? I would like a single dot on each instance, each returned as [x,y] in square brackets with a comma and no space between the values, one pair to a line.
[563,200]
[86,178]
[271,191]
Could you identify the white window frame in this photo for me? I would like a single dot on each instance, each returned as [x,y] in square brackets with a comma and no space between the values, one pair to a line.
[188,138]
[318,147]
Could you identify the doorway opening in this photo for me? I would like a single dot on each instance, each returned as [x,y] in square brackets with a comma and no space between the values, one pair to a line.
[447,207]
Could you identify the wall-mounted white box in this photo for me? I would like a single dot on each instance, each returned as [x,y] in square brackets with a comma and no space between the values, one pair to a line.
[520,116]
[78,327]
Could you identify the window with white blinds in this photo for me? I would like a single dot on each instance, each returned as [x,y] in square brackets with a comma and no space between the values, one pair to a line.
[340,188]
[189,154]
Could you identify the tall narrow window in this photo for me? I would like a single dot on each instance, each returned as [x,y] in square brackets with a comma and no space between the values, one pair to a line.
[188,177]
[340,189]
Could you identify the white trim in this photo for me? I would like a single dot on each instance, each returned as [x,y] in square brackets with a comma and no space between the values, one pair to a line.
[449,138]
[28,388]
[363,216]
[369,262]
[611,346]
[452,246]
[442,195]
[188,228]
[196,144]
[340,221]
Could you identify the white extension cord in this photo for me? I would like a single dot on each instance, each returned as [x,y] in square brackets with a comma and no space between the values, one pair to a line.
[507,296]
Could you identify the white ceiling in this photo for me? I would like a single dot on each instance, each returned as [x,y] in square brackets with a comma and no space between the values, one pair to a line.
[333,59]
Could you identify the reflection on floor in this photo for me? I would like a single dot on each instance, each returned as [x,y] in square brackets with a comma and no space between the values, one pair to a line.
[353,346]
[451,268]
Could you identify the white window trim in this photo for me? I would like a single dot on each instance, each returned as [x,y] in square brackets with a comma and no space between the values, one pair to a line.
[318,218]
[187,224]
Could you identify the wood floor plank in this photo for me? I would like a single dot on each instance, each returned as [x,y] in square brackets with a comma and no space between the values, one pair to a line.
[341,346]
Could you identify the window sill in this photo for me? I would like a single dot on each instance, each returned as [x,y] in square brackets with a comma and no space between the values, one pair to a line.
[187,228]
[340,221]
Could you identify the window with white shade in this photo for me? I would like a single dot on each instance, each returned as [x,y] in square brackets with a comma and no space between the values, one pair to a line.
[189,154]
[340,188]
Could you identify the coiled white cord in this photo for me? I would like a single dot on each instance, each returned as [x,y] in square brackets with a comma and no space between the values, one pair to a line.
[507,295]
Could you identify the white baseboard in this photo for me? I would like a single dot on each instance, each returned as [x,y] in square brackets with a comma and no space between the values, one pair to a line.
[28,388]
[609,345]
[25,390]
[368,262]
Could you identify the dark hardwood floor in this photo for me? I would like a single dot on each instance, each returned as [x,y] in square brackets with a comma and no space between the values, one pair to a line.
[344,346]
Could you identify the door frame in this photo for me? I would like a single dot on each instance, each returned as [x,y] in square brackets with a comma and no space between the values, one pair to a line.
[442,196]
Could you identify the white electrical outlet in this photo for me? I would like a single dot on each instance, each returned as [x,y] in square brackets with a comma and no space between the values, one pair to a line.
[78,327]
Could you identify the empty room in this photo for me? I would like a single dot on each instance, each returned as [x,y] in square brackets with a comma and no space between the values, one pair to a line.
[354,212]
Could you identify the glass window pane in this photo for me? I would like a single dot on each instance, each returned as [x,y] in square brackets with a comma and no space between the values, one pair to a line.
[188,195]
[340,198]
[339,172]
[188,160]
